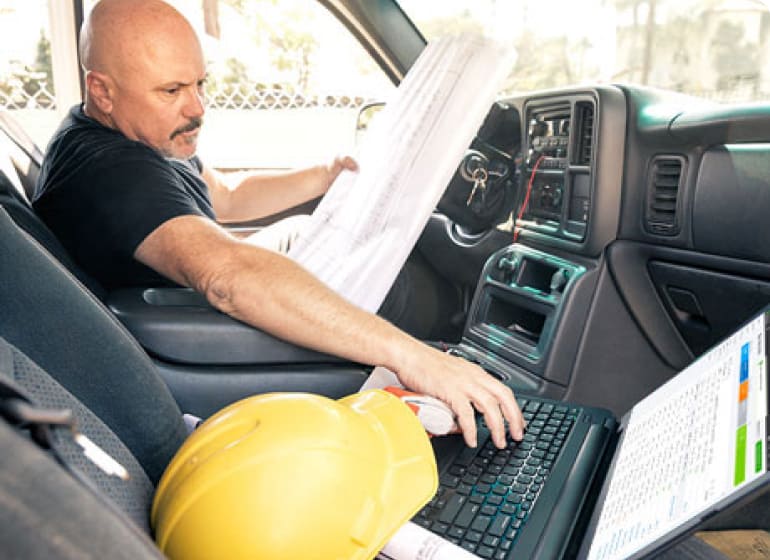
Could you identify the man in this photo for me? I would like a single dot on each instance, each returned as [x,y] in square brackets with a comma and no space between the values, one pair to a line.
[123,190]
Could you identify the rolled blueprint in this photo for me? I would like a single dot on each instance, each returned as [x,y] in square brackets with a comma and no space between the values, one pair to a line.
[364,228]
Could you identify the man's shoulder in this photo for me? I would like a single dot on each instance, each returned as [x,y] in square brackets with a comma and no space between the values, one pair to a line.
[80,137]
[83,148]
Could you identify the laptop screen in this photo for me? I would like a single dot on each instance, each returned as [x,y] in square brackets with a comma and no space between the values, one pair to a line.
[688,445]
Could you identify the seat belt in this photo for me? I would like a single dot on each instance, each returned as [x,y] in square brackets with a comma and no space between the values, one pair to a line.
[45,426]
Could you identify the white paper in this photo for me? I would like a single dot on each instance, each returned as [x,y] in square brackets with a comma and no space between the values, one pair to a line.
[367,224]
[412,542]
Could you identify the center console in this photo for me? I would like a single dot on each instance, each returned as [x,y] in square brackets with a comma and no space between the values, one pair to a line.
[534,296]
[517,312]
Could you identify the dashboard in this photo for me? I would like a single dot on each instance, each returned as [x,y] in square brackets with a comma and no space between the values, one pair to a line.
[629,202]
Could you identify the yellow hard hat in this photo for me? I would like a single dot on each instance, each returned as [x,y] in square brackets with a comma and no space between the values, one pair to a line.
[295,476]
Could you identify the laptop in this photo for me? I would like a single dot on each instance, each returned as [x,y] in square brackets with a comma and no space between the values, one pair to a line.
[583,484]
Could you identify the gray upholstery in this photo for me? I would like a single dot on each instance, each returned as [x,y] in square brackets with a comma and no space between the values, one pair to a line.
[45,513]
[51,318]
[133,496]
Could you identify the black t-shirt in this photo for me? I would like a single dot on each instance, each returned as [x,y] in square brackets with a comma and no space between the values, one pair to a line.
[103,194]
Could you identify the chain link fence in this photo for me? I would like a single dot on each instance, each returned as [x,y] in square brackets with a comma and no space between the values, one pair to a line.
[18,95]
[38,95]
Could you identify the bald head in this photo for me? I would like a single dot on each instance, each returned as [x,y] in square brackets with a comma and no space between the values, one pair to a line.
[144,73]
[118,34]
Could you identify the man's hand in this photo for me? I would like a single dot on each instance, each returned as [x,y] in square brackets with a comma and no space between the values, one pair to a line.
[466,387]
[337,166]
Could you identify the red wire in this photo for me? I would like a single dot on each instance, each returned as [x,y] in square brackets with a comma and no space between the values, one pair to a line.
[526,197]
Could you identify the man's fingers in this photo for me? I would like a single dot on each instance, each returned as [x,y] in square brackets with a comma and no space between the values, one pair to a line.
[349,163]
[488,405]
[466,421]
[510,410]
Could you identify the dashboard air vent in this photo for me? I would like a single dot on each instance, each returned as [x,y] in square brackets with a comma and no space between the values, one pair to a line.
[664,182]
[585,115]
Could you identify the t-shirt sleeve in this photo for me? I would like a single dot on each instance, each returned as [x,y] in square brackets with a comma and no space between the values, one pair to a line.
[125,200]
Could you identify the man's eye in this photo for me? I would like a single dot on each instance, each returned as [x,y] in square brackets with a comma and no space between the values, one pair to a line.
[172,91]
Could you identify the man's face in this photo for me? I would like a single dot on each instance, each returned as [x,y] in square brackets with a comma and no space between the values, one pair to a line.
[158,97]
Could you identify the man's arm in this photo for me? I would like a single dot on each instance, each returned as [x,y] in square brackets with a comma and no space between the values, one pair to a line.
[263,194]
[272,293]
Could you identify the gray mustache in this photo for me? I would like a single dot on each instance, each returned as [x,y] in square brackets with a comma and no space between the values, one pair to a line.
[189,127]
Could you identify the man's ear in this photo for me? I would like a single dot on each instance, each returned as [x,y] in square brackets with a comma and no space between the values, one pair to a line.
[99,87]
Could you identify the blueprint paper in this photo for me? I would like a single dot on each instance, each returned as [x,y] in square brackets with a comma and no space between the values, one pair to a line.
[363,230]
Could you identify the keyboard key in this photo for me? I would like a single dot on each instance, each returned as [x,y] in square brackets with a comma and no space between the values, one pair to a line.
[505,479]
[494,500]
[452,508]
[456,532]
[469,546]
[483,488]
[466,456]
[488,510]
[499,525]
[494,469]
[449,480]
[484,552]
[500,490]
[473,536]
[491,541]
[508,508]
[477,498]
[481,523]
[439,528]
[470,479]
[466,515]
[464,489]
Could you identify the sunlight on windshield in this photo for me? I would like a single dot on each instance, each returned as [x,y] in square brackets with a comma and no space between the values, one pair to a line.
[715,49]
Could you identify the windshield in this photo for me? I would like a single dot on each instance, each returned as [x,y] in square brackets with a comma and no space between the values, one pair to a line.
[714,49]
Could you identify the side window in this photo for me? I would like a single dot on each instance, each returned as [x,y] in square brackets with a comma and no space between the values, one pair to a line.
[27,88]
[286,82]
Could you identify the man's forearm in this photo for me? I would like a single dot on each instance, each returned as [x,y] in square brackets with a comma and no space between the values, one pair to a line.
[276,295]
[264,194]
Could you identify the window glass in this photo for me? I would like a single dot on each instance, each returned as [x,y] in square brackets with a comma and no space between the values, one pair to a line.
[715,49]
[27,89]
[286,82]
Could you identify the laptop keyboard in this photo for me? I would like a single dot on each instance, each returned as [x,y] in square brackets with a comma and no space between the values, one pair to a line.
[485,496]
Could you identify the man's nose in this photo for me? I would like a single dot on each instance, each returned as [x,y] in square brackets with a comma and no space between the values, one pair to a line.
[195,106]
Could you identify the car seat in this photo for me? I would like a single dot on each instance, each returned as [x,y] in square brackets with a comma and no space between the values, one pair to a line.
[90,364]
